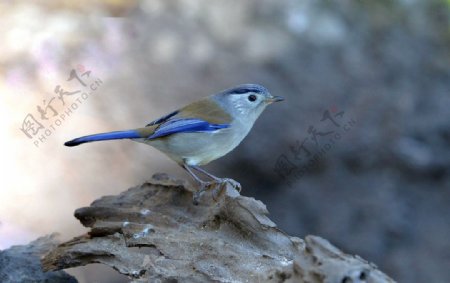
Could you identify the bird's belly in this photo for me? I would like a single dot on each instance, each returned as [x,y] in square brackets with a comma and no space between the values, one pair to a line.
[197,148]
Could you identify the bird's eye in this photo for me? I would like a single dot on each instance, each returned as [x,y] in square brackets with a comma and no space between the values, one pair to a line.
[252,97]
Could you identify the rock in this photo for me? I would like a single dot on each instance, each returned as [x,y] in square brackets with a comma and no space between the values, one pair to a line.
[154,231]
[22,263]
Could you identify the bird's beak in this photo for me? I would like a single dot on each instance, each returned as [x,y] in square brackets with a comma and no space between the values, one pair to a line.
[273,99]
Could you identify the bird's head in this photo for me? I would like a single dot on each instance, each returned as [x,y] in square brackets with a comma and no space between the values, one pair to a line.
[246,101]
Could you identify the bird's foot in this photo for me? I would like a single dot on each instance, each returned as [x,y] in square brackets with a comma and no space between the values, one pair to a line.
[232,182]
[203,188]
[216,184]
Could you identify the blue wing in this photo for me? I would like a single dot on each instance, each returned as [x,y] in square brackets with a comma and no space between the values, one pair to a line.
[185,125]
[162,119]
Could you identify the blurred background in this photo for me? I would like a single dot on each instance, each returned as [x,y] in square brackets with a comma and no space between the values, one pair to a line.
[358,153]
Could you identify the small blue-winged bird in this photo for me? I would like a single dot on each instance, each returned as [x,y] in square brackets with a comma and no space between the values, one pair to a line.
[202,131]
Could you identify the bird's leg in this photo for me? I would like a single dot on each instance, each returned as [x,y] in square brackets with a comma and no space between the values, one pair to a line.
[235,184]
[203,184]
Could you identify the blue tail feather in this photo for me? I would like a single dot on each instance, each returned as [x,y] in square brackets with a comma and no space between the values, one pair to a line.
[130,134]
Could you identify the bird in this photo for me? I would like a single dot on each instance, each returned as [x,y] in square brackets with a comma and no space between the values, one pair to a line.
[201,131]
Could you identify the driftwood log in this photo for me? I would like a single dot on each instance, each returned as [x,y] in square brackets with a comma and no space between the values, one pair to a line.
[154,233]
[22,263]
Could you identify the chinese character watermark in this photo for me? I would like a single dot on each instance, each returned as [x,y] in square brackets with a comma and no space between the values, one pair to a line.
[306,153]
[52,113]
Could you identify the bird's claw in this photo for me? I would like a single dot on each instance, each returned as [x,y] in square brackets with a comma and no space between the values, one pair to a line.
[209,185]
[232,182]
[203,188]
